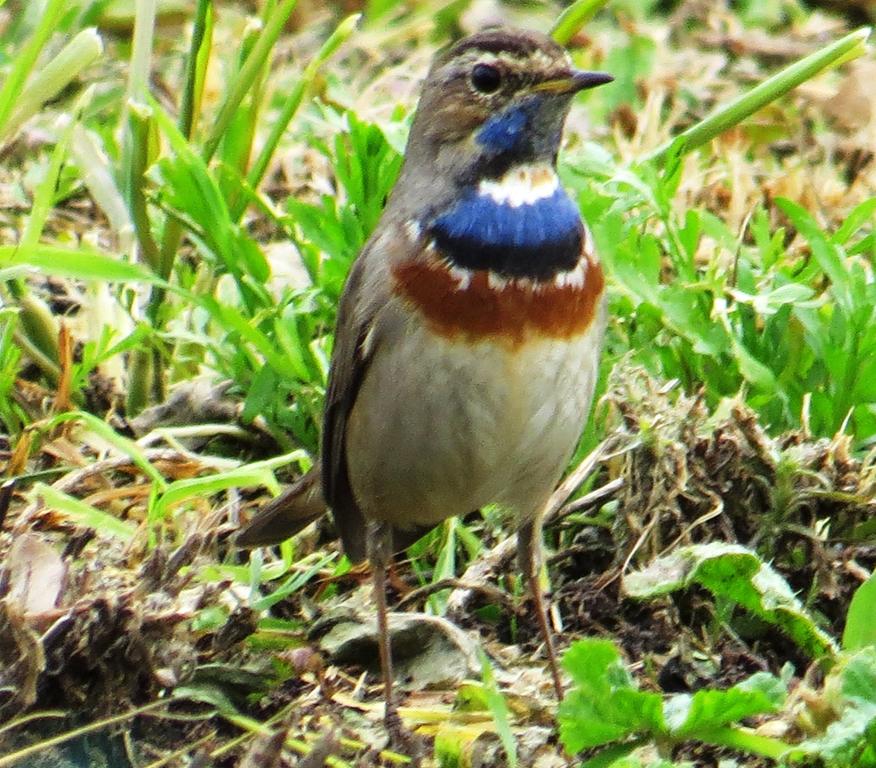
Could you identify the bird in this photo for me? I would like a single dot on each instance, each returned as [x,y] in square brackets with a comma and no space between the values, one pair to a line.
[470,327]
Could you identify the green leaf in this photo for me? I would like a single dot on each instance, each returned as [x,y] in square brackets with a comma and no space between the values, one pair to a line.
[768,302]
[750,367]
[736,573]
[860,628]
[249,74]
[590,661]
[709,709]
[628,63]
[299,579]
[456,743]
[24,61]
[615,756]
[859,677]
[573,18]
[606,706]
[860,216]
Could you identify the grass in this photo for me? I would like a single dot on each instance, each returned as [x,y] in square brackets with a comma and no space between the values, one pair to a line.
[193,220]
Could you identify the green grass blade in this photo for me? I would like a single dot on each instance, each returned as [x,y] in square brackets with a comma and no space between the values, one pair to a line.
[729,115]
[193,89]
[499,710]
[257,473]
[82,51]
[121,443]
[137,161]
[196,66]
[24,62]
[141,49]
[293,101]
[247,76]
[98,174]
[136,139]
[573,18]
[45,191]
[83,514]
[295,582]
[76,263]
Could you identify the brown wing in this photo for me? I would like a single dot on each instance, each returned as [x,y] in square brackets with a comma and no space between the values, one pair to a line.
[365,294]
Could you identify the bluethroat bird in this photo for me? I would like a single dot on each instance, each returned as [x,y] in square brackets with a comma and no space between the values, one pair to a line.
[469,331]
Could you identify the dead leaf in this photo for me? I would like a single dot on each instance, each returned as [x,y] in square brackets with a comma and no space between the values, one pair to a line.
[36,575]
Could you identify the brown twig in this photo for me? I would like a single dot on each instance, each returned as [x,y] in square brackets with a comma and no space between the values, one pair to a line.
[494,594]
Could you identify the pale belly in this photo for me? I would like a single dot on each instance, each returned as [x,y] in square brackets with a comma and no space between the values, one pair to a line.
[443,427]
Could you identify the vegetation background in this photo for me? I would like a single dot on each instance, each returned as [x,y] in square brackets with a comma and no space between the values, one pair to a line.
[183,186]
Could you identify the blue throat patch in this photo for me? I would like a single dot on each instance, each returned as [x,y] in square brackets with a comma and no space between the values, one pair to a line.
[535,240]
[506,132]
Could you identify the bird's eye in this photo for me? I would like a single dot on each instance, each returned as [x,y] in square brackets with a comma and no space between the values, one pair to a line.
[486,78]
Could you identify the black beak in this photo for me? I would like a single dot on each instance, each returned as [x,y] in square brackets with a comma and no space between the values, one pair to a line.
[582,80]
[576,80]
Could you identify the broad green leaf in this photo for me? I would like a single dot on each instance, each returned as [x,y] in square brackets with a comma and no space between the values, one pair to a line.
[627,63]
[859,677]
[736,573]
[606,706]
[860,628]
[587,722]
[709,709]
[595,665]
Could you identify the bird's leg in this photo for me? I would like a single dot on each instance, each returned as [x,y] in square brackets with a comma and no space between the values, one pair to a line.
[379,553]
[380,545]
[529,561]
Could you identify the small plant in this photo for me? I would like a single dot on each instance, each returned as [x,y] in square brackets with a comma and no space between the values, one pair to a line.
[738,576]
[607,708]
[609,712]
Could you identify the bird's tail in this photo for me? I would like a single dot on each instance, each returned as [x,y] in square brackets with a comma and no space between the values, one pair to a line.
[293,510]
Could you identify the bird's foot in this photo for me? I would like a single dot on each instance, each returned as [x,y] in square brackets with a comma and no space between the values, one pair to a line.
[402,739]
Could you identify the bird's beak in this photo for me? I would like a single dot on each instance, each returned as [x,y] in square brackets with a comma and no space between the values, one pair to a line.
[576,80]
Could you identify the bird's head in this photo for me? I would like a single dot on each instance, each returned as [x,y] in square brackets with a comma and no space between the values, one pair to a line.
[494,100]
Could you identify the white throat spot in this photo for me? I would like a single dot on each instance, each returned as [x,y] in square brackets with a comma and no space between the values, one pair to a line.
[522,185]
[573,278]
[462,276]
